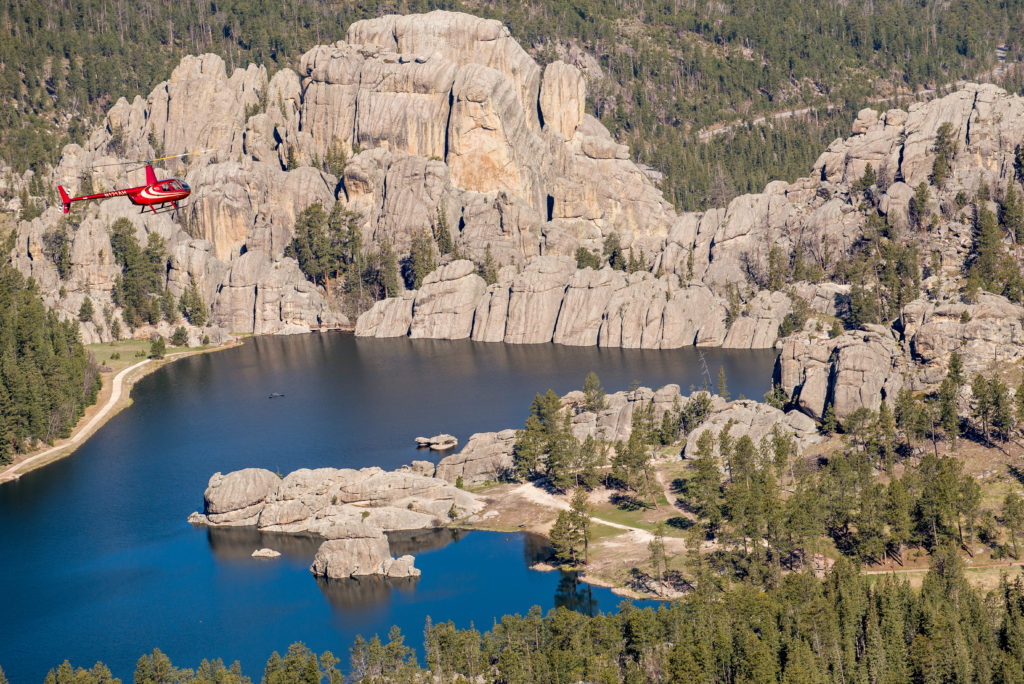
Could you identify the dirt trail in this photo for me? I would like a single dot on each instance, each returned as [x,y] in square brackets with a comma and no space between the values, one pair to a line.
[80,434]
[541,498]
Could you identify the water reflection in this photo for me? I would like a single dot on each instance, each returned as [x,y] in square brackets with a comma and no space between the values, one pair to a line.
[535,549]
[415,542]
[234,543]
[575,595]
[357,594]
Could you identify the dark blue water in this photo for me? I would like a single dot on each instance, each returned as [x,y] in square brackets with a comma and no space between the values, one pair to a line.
[98,562]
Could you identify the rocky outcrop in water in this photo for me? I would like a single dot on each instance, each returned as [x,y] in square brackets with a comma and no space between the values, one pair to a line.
[351,509]
[357,549]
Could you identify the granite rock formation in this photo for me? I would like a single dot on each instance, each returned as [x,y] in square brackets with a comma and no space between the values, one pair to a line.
[351,509]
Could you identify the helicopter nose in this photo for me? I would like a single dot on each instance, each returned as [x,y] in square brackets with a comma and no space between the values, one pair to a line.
[184,186]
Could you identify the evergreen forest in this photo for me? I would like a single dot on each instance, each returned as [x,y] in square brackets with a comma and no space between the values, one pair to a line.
[667,70]
[842,629]
[46,377]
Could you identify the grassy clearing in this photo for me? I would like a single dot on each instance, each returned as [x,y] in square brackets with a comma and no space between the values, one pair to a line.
[599,532]
[119,355]
[645,518]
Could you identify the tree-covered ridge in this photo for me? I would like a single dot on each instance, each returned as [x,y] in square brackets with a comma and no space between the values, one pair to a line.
[842,629]
[669,68]
[46,377]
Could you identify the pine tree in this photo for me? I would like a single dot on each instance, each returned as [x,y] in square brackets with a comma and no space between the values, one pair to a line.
[421,261]
[85,312]
[442,233]
[829,424]
[157,348]
[947,410]
[593,393]
[656,549]
[945,149]
[981,402]
[918,208]
[488,269]
[581,517]
[612,252]
[1013,517]
[1012,214]
[565,539]
[723,388]
[191,304]
[388,269]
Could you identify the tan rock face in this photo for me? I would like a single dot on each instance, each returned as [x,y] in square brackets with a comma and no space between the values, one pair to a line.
[328,106]
[403,104]
[856,370]
[445,304]
[990,332]
[459,38]
[444,113]
[755,420]
[563,97]
[490,143]
[487,456]
[201,106]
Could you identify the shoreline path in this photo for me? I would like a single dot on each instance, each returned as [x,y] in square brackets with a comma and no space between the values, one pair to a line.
[80,434]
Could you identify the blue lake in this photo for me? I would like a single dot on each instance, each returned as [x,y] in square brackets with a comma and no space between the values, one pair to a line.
[100,564]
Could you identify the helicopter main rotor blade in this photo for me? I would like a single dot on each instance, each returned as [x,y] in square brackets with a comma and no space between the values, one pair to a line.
[183,154]
[141,163]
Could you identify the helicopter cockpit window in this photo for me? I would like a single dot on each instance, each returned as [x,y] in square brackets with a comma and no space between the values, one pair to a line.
[184,185]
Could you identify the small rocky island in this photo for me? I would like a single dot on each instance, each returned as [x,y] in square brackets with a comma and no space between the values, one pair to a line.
[350,509]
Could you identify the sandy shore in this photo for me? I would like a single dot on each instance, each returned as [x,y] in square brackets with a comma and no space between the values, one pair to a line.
[115,395]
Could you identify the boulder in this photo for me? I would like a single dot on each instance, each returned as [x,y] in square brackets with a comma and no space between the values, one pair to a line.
[437,442]
[359,549]
[487,456]
[755,420]
[856,370]
[237,498]
[318,501]
[444,305]
[986,332]
[265,553]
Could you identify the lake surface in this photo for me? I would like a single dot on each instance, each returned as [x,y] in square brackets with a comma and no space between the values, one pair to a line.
[99,563]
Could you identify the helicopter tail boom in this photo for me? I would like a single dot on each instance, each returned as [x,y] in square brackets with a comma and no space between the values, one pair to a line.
[64,198]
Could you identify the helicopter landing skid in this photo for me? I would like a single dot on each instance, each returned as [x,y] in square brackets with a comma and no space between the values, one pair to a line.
[166,208]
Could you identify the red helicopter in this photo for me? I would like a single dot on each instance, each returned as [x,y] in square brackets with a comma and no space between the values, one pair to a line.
[154,193]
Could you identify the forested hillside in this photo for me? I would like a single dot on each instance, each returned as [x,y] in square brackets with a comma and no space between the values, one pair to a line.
[803,631]
[46,378]
[663,71]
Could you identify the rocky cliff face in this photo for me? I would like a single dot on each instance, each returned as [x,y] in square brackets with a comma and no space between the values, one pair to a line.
[444,113]
[437,112]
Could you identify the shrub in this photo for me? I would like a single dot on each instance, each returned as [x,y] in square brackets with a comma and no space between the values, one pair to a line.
[180,337]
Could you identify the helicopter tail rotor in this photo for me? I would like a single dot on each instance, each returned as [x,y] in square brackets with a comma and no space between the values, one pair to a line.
[64,198]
